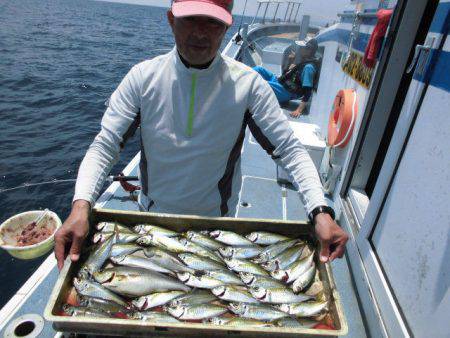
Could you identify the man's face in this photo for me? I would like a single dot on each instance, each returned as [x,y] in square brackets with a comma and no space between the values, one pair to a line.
[198,38]
[306,52]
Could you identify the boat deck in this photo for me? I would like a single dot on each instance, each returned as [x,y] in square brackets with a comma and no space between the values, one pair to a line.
[261,197]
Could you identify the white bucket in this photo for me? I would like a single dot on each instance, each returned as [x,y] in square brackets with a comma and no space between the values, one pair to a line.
[12,227]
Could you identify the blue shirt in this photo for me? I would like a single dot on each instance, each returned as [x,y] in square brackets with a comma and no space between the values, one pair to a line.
[307,75]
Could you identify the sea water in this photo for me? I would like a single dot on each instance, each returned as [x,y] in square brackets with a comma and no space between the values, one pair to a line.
[60,60]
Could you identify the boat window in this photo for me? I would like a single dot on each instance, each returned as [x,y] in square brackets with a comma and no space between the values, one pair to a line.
[388,91]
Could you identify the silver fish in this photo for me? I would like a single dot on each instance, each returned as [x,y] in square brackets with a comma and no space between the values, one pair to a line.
[286,258]
[196,312]
[203,240]
[153,316]
[166,260]
[124,249]
[256,280]
[217,320]
[295,322]
[109,227]
[171,244]
[277,296]
[95,290]
[304,309]
[139,262]
[199,250]
[136,282]
[316,289]
[304,279]
[147,229]
[199,263]
[294,270]
[233,294]
[197,296]
[101,225]
[202,281]
[266,238]
[274,250]
[122,237]
[156,299]
[77,311]
[236,321]
[305,252]
[98,257]
[240,265]
[241,252]
[258,312]
[225,276]
[101,304]
[230,238]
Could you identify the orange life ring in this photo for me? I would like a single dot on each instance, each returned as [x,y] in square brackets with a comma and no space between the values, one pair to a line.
[342,118]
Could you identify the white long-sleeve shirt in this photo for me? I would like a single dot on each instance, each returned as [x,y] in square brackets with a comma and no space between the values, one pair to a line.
[193,123]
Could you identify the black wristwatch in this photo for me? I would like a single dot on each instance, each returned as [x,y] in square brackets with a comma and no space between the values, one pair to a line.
[320,209]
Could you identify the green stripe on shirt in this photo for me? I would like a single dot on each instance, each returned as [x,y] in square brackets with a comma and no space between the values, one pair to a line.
[191,106]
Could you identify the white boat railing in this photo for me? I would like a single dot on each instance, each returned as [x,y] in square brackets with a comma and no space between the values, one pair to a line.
[290,8]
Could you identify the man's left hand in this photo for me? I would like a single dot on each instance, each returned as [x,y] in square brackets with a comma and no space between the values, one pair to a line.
[331,236]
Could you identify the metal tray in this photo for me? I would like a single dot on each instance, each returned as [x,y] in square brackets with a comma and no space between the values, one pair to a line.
[136,328]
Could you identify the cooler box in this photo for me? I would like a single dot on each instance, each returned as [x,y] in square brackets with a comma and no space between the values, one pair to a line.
[309,136]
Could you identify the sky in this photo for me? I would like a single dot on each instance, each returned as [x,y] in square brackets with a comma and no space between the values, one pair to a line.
[318,9]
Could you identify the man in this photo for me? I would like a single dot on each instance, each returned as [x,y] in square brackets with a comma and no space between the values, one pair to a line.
[297,81]
[193,106]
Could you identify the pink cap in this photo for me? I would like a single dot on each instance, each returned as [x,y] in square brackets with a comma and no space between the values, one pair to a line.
[217,9]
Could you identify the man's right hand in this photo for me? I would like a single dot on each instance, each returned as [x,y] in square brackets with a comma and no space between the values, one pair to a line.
[70,236]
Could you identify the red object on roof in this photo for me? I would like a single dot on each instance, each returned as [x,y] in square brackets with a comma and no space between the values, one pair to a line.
[371,53]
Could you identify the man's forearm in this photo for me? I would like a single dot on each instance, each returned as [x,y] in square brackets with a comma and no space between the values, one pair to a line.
[294,158]
[94,168]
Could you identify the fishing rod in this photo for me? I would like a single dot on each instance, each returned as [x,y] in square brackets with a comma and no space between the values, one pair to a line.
[121,178]
[242,16]
[26,185]
[238,36]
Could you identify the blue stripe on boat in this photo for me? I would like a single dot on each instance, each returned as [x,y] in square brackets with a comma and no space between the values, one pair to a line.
[441,18]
